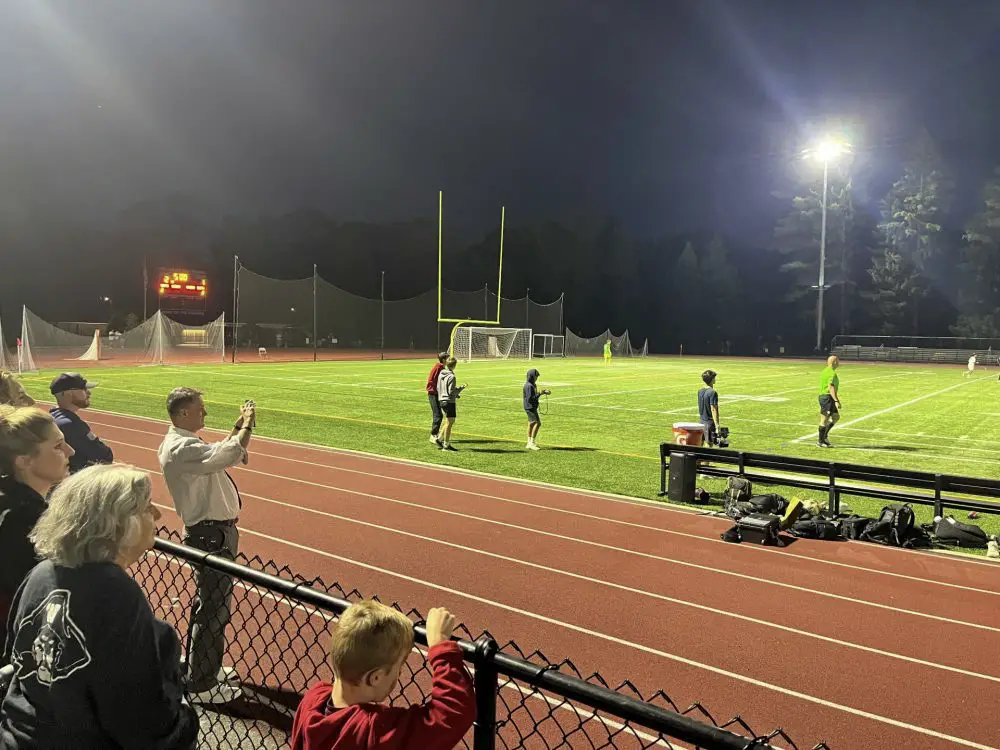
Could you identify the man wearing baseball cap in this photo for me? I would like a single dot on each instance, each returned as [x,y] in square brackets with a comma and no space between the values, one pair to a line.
[72,392]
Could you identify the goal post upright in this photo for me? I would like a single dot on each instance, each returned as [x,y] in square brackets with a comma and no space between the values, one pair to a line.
[459,322]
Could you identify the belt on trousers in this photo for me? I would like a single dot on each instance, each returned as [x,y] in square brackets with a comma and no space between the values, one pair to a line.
[231,522]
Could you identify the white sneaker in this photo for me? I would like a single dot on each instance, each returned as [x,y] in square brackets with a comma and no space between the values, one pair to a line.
[533,447]
[434,439]
[219,694]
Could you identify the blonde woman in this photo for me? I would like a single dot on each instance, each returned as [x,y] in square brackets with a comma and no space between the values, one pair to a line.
[12,392]
[93,666]
[33,458]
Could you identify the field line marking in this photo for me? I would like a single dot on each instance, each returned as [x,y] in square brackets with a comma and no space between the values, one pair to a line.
[888,409]
[648,555]
[590,516]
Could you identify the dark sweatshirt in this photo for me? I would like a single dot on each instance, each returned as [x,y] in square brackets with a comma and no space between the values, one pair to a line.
[95,670]
[438,724]
[20,509]
[89,448]
[531,391]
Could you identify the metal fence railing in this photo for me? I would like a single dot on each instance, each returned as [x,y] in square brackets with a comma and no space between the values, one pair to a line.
[275,646]
[839,479]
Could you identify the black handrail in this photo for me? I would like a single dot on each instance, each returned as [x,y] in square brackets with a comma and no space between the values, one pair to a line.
[835,475]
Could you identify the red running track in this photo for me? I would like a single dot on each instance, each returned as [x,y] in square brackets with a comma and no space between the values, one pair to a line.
[851,643]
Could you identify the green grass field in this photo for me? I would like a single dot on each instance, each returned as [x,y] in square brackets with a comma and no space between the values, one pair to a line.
[602,425]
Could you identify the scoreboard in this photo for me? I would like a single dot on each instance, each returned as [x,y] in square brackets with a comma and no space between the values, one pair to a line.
[181,289]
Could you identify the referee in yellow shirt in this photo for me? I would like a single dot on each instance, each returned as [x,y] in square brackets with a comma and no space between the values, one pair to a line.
[829,400]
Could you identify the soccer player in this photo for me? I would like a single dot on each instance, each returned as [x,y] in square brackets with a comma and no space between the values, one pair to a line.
[607,352]
[829,400]
[972,366]
[708,407]
[531,394]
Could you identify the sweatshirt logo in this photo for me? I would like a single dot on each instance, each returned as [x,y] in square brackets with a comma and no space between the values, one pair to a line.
[48,645]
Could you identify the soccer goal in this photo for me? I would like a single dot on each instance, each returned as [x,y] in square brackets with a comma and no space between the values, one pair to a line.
[473,343]
[547,345]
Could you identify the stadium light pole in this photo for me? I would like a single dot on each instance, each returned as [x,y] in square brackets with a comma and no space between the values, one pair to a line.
[826,151]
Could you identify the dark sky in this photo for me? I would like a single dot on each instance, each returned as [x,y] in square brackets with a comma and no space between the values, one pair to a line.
[672,114]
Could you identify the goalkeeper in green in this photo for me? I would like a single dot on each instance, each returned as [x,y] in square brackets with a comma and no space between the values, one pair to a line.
[607,352]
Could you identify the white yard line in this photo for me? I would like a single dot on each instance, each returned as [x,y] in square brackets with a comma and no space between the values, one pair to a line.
[888,409]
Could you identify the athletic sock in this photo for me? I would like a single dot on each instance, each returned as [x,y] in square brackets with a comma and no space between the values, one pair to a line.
[822,433]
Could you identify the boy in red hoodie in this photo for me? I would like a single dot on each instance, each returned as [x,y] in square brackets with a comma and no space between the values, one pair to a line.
[369,647]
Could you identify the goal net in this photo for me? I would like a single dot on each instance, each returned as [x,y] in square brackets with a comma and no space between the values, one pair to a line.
[160,340]
[547,345]
[491,343]
[8,361]
[621,346]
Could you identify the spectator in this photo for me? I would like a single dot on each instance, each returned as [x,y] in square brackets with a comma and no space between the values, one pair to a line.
[432,397]
[208,502]
[12,392]
[33,458]
[448,393]
[93,667]
[370,645]
[72,392]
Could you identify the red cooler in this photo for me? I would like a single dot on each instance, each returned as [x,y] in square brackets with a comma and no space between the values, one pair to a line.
[689,433]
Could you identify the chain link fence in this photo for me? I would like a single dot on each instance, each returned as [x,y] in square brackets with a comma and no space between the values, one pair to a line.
[276,642]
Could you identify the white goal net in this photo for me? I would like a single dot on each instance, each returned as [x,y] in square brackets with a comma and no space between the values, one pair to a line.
[158,341]
[621,346]
[8,361]
[492,343]
[548,345]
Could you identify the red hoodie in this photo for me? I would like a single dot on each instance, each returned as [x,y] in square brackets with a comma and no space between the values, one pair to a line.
[432,379]
[438,724]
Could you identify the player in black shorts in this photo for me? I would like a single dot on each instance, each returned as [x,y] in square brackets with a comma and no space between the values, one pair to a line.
[530,403]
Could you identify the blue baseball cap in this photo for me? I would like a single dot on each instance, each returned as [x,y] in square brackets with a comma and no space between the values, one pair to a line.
[70,381]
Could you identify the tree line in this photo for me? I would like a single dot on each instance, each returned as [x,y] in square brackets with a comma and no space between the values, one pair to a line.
[906,268]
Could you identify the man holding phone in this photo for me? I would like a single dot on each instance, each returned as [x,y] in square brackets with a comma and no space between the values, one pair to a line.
[208,502]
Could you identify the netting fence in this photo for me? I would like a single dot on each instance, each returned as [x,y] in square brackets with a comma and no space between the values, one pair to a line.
[8,360]
[276,634]
[310,318]
[593,346]
[159,340]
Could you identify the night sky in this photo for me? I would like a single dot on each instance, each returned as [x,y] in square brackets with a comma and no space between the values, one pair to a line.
[672,115]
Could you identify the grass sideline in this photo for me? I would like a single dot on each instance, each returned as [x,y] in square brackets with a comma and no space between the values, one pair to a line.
[602,426]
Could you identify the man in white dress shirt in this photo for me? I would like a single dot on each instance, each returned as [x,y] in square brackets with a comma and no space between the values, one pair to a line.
[208,502]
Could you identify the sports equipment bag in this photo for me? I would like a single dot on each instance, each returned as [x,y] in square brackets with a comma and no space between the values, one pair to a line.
[760,528]
[893,527]
[951,532]
[738,492]
[815,527]
[853,527]
[775,505]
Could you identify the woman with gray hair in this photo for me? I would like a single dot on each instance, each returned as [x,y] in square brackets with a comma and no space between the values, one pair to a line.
[93,667]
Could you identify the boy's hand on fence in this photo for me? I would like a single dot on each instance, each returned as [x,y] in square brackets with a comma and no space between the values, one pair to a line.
[440,626]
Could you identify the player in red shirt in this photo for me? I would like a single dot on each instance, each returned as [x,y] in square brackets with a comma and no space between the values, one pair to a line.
[432,397]
[370,645]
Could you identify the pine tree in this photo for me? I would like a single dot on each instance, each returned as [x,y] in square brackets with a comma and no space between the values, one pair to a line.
[720,279]
[910,233]
[797,239]
[980,292]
